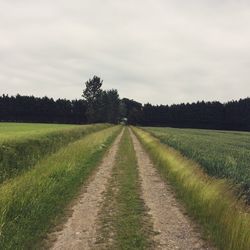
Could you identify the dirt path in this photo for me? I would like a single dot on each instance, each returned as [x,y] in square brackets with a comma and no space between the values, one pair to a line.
[124,222]
[174,228]
[79,232]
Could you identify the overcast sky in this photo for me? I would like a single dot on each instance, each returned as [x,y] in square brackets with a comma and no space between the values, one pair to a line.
[158,51]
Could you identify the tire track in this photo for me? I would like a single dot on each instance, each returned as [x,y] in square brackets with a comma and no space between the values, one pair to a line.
[123,220]
[174,228]
[79,232]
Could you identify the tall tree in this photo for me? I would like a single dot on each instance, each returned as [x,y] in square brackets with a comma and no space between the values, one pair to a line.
[92,95]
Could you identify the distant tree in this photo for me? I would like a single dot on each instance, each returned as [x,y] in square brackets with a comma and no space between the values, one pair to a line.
[110,103]
[134,110]
[93,89]
[122,110]
[92,95]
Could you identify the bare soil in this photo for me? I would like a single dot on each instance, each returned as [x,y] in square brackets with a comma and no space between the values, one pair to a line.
[173,227]
[79,232]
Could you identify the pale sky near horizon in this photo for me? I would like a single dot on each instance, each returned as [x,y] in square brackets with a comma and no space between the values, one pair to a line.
[157,51]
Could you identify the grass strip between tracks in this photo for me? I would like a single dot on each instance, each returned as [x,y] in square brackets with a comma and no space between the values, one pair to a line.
[123,214]
[210,201]
[31,202]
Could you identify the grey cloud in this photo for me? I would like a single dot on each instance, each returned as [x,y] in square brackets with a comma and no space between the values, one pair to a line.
[158,51]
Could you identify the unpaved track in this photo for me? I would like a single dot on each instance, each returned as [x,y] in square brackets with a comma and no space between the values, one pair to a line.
[79,232]
[174,228]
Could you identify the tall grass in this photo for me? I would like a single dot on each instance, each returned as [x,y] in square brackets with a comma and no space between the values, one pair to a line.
[225,220]
[30,202]
[18,153]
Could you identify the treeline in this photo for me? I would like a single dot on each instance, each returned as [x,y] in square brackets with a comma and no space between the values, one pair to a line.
[35,109]
[233,115]
[99,106]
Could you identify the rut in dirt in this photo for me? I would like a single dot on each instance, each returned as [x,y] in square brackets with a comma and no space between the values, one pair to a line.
[79,232]
[174,230]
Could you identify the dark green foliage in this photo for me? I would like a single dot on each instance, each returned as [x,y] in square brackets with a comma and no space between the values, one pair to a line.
[133,111]
[110,106]
[92,95]
[93,89]
[102,105]
[47,110]
[233,115]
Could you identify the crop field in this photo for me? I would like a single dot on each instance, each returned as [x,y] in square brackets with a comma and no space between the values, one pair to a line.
[223,154]
[109,186]
[223,217]
[23,145]
[9,130]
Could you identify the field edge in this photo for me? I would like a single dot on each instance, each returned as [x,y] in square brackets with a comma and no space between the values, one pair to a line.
[225,219]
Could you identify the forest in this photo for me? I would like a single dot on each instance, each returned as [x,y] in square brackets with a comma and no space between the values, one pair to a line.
[101,106]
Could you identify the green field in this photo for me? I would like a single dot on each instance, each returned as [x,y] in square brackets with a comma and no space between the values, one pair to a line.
[223,154]
[10,130]
[23,145]
[31,201]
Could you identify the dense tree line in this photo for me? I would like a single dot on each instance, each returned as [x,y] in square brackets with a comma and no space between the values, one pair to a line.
[233,115]
[35,109]
[99,106]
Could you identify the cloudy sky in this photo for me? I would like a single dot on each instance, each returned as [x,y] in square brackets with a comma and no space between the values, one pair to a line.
[158,51]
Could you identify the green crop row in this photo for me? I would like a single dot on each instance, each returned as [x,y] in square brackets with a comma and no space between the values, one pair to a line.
[31,202]
[20,153]
[224,218]
[223,154]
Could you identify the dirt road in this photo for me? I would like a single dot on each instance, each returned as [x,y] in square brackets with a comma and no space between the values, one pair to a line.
[173,228]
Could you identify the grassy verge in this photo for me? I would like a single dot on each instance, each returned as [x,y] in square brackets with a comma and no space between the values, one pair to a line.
[19,154]
[30,202]
[123,213]
[224,218]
